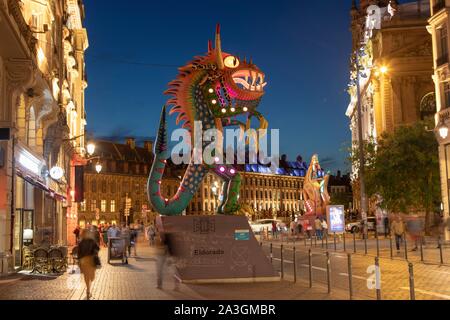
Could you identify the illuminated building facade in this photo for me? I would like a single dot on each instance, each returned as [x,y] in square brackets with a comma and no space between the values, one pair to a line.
[395,64]
[42,120]
[439,28]
[124,174]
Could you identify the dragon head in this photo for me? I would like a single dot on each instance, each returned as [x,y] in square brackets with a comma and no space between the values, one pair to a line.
[230,86]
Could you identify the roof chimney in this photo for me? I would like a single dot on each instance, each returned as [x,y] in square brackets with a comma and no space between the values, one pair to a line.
[148,145]
[131,142]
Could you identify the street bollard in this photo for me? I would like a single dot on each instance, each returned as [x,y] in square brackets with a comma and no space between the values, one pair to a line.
[441,252]
[377,277]
[326,239]
[378,243]
[322,242]
[271,253]
[328,272]
[310,269]
[411,282]
[295,265]
[282,262]
[391,246]
[335,246]
[315,241]
[366,235]
[422,259]
[345,243]
[354,242]
[350,276]
[406,248]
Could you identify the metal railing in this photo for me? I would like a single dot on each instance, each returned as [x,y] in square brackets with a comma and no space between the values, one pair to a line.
[361,276]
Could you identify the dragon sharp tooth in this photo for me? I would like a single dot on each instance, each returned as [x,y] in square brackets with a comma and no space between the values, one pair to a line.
[254,77]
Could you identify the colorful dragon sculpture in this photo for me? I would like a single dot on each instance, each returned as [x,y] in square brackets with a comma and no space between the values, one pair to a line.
[315,190]
[214,90]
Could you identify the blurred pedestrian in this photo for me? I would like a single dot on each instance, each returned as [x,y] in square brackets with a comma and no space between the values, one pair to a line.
[88,259]
[151,234]
[386,227]
[324,229]
[126,235]
[133,240]
[76,232]
[415,227]
[318,227]
[398,230]
[163,260]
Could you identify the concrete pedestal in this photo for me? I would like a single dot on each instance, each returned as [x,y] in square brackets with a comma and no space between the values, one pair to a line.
[216,249]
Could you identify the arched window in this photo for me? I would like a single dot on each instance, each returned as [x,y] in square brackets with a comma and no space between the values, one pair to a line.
[428,107]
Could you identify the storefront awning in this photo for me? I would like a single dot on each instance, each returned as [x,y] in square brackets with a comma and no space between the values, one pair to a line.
[39,184]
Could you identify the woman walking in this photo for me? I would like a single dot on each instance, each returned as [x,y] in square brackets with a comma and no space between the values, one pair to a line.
[88,256]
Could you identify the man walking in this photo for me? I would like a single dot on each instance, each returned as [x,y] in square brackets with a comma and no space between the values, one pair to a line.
[398,230]
[319,228]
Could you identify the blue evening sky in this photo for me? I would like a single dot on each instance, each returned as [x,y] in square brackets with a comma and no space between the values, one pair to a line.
[302,46]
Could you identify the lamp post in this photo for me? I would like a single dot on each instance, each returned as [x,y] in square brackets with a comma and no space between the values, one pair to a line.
[362,160]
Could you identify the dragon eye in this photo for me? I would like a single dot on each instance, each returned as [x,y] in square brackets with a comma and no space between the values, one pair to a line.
[231,62]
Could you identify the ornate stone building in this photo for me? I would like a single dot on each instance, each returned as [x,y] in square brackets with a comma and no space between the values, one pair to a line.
[439,27]
[125,171]
[42,120]
[124,174]
[395,64]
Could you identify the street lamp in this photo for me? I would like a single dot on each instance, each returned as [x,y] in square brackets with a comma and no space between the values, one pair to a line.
[98,167]
[90,149]
[443,130]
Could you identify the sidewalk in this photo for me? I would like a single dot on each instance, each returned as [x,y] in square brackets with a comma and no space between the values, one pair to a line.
[137,281]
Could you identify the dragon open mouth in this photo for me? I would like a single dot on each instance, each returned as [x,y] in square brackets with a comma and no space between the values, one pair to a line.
[249,80]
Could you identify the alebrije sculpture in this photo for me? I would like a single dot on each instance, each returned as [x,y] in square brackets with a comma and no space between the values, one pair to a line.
[213,90]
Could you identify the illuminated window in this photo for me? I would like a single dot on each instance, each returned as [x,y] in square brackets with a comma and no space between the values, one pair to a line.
[103,206]
[83,206]
[113,206]
[93,205]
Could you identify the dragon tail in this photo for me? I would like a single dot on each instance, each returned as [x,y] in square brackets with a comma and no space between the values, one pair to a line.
[176,205]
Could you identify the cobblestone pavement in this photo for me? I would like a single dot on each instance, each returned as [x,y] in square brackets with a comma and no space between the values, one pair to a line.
[137,281]
[432,281]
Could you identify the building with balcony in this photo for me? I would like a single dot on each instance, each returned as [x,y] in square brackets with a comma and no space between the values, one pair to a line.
[394,71]
[439,27]
[42,121]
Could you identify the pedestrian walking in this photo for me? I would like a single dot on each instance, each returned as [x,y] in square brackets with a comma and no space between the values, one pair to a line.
[151,234]
[324,228]
[88,259]
[126,235]
[398,230]
[386,227]
[162,251]
[133,240]
[318,227]
[76,232]
[274,229]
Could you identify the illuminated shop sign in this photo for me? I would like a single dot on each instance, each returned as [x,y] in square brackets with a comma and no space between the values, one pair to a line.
[30,162]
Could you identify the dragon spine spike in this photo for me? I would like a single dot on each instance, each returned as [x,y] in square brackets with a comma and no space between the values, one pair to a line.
[219,56]
[210,46]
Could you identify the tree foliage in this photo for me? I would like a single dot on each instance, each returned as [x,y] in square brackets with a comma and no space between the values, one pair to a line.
[403,170]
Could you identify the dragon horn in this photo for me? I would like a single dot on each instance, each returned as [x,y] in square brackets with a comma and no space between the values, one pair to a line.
[219,48]
[210,47]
